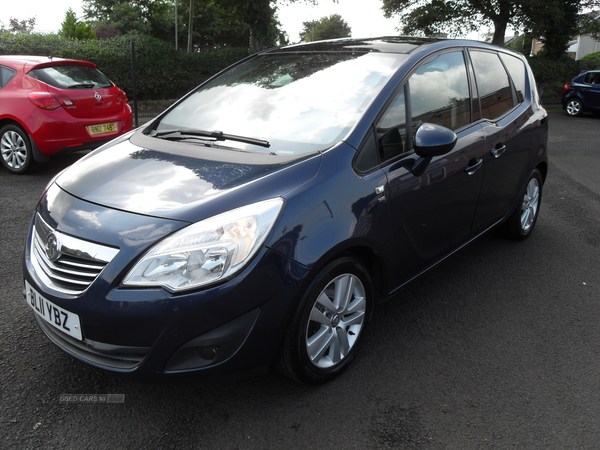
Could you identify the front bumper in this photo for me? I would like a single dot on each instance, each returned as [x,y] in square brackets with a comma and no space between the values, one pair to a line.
[230,327]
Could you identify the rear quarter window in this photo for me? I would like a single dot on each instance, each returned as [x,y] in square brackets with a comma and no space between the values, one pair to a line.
[6,74]
[516,69]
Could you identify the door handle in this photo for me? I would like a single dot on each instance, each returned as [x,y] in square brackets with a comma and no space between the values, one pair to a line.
[497,152]
[474,167]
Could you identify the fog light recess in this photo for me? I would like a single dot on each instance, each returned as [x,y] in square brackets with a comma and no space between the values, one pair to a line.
[213,347]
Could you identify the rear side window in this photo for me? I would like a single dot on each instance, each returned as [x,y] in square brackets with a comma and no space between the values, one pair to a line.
[516,69]
[492,83]
[71,77]
[592,78]
[6,74]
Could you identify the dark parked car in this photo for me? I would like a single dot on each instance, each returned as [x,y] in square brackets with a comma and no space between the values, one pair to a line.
[49,105]
[261,219]
[582,94]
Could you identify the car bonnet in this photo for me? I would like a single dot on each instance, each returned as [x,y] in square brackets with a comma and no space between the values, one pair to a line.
[181,185]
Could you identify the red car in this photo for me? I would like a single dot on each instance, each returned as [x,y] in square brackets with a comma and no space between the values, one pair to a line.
[49,105]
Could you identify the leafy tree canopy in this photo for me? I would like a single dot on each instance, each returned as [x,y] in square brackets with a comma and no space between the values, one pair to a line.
[72,28]
[555,21]
[212,23]
[16,26]
[331,27]
[148,17]
[592,56]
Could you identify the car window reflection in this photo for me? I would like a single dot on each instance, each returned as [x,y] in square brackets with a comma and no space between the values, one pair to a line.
[310,100]
[492,81]
[439,92]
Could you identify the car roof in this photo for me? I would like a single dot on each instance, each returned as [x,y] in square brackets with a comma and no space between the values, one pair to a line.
[385,44]
[26,63]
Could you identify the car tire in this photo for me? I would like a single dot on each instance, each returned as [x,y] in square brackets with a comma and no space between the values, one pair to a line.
[324,332]
[524,217]
[574,107]
[16,152]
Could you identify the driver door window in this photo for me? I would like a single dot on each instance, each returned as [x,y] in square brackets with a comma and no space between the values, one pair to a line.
[439,93]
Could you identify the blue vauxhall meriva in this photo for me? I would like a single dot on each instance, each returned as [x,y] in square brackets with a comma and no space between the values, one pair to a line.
[259,221]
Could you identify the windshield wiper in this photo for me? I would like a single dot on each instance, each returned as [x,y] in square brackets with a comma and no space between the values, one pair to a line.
[217,135]
[82,86]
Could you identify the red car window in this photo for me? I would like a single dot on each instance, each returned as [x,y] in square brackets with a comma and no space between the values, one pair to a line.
[71,77]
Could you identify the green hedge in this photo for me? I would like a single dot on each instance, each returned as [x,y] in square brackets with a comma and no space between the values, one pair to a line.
[552,75]
[162,72]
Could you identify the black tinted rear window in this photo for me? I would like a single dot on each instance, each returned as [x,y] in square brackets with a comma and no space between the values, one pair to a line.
[71,77]
[592,78]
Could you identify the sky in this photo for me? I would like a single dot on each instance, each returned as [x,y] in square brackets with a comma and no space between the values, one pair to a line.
[364,17]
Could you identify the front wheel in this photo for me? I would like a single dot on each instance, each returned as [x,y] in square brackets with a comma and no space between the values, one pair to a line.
[15,149]
[574,107]
[324,332]
[523,219]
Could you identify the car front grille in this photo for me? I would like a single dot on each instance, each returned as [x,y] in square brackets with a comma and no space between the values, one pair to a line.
[98,353]
[65,263]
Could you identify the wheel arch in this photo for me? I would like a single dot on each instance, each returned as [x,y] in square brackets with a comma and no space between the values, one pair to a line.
[14,121]
[543,168]
[38,156]
[368,257]
[578,98]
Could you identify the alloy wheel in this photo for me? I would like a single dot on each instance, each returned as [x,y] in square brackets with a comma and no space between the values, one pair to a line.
[14,150]
[336,321]
[530,204]
[573,108]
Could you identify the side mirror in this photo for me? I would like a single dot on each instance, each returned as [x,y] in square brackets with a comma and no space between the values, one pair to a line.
[431,140]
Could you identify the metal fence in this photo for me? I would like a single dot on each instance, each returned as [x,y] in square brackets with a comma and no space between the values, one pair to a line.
[146,110]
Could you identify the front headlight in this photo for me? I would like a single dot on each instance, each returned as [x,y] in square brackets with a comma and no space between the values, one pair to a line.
[207,251]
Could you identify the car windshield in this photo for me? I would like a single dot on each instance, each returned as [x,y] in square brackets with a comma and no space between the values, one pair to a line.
[297,102]
[71,77]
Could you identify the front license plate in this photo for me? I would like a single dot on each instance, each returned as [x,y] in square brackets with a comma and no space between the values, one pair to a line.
[59,318]
[102,128]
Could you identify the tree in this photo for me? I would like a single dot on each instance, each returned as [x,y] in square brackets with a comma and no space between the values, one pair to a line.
[106,32]
[260,18]
[17,26]
[149,17]
[463,16]
[555,22]
[74,29]
[331,27]
[229,23]
[204,24]
[589,23]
